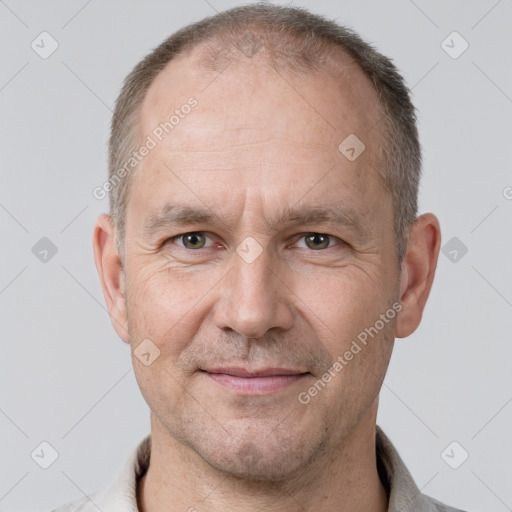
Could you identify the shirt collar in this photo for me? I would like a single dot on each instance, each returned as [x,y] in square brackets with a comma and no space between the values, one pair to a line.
[403,493]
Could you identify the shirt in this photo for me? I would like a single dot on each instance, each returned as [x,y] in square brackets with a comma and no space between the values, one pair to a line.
[403,493]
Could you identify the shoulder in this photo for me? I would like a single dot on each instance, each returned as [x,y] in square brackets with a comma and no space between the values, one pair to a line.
[121,494]
[438,506]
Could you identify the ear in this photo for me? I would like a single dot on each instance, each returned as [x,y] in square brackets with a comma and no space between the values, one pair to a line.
[418,271]
[110,269]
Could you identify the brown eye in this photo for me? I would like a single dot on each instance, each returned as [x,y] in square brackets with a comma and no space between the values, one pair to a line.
[317,240]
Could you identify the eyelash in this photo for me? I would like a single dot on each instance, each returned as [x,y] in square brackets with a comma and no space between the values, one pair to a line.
[299,235]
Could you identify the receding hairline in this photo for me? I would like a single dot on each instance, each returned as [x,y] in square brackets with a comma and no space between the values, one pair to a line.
[214,55]
[317,38]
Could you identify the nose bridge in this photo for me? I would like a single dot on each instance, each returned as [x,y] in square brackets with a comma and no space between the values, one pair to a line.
[251,301]
[252,275]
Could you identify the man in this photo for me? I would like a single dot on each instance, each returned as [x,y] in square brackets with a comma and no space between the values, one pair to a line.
[262,252]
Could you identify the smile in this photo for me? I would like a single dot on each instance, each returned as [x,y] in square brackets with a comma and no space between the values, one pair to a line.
[256,382]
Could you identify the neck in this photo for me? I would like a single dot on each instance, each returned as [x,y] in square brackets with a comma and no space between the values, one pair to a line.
[346,479]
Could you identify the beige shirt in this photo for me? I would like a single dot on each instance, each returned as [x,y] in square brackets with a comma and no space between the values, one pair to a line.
[120,496]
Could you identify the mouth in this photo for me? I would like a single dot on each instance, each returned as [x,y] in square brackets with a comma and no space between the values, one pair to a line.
[255,382]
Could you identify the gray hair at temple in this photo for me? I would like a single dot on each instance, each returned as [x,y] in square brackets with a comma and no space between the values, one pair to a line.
[294,40]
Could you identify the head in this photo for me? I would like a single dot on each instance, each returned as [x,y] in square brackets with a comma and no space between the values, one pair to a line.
[270,222]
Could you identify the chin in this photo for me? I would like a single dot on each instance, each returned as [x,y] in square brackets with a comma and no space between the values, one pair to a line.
[264,458]
[252,464]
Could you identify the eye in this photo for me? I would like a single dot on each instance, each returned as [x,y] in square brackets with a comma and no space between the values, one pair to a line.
[318,241]
[193,240]
[198,240]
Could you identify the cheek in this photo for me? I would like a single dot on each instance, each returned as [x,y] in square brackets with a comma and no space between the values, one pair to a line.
[360,351]
[166,305]
[341,302]
[345,311]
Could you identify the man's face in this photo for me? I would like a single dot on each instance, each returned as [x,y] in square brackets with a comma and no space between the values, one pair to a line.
[251,291]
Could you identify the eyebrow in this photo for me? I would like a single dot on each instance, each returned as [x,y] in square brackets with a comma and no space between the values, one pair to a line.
[180,215]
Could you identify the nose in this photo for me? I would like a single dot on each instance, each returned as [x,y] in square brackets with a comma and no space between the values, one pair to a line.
[254,298]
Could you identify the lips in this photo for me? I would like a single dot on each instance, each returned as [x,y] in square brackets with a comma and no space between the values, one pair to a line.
[255,381]
[263,372]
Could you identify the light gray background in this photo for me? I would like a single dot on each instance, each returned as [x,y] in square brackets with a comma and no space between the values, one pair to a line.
[66,377]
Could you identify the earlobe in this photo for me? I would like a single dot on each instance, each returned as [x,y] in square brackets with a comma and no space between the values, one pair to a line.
[418,272]
[110,270]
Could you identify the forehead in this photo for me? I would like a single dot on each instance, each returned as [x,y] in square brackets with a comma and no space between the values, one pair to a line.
[248,95]
[276,126]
